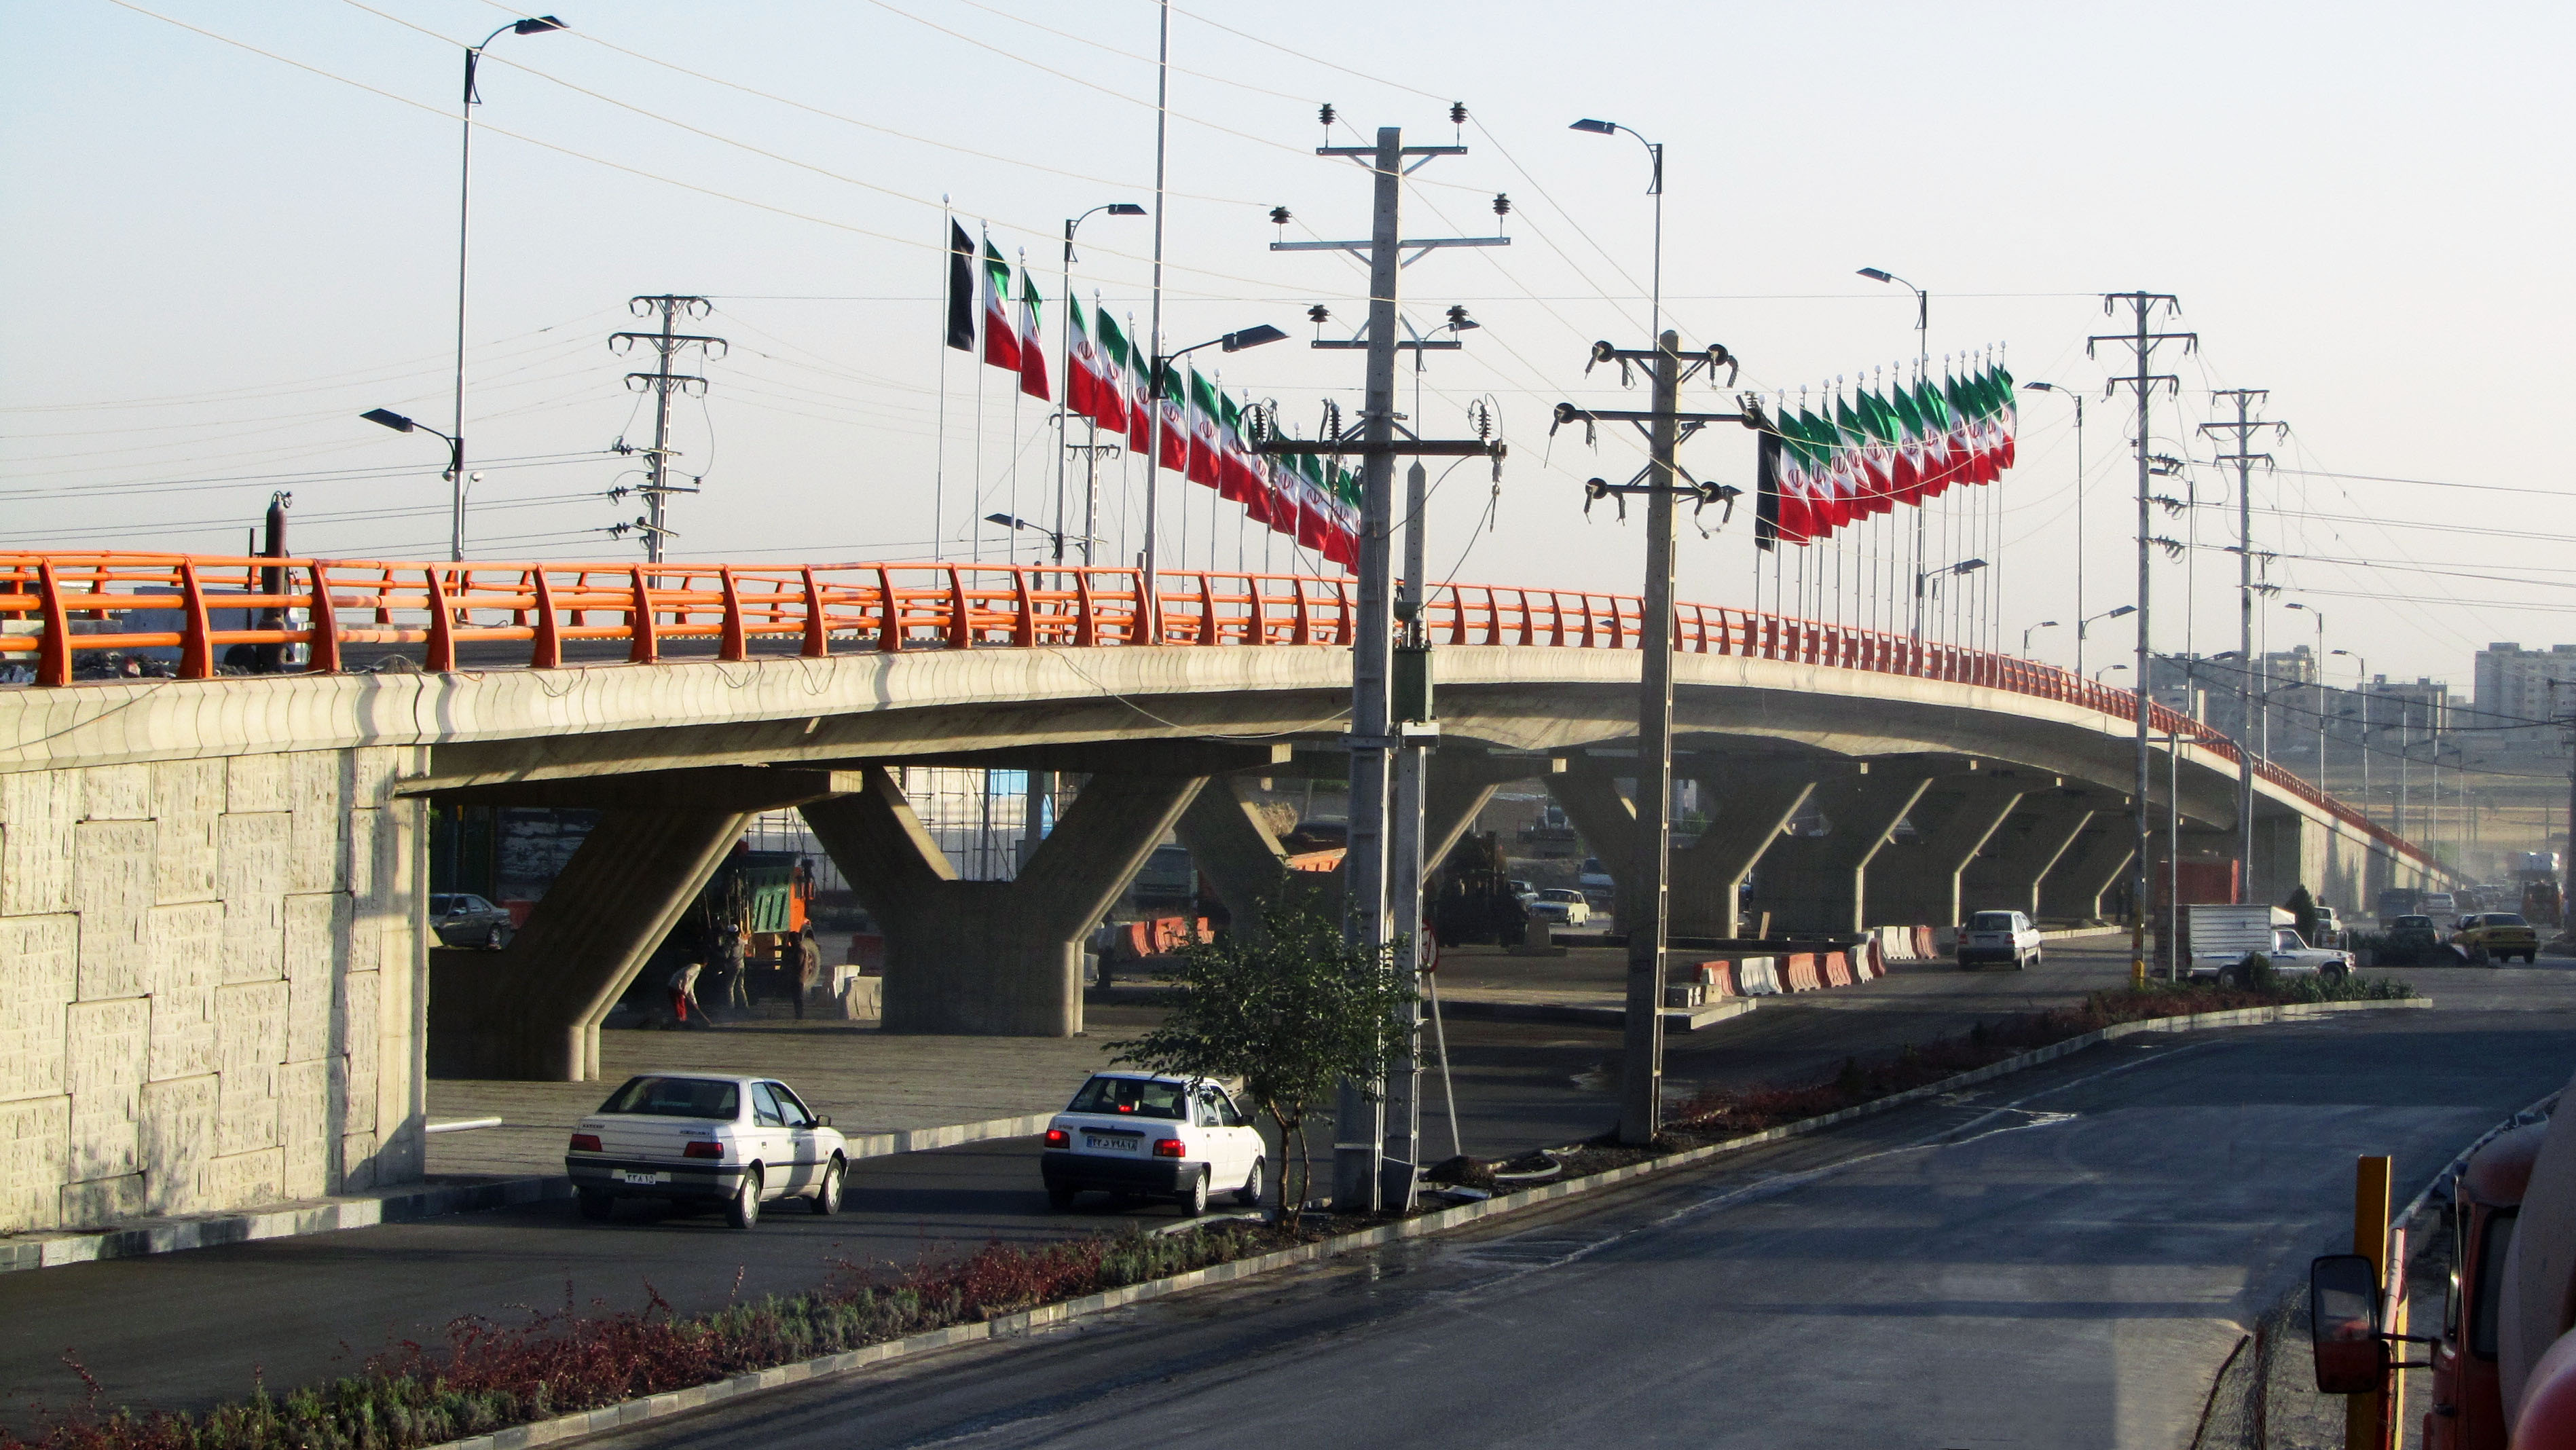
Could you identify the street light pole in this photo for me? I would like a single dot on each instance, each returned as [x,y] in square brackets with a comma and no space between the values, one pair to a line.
[1064,409]
[2361,686]
[2319,617]
[2081,538]
[2034,629]
[535,25]
[1922,370]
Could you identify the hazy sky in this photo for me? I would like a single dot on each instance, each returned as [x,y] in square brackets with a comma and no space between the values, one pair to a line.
[218,259]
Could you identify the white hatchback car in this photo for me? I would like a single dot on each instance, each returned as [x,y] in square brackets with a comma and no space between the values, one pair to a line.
[1561,908]
[1999,936]
[1143,1135]
[706,1138]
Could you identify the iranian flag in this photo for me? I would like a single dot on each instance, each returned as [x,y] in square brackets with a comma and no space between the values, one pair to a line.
[1033,368]
[1172,411]
[1940,464]
[2009,418]
[1001,340]
[1313,520]
[1868,472]
[1206,444]
[1081,367]
[1831,469]
[1109,373]
[1287,499]
[1909,442]
[1889,430]
[1238,471]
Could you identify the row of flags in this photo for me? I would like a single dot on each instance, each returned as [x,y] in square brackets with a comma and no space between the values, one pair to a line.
[1863,455]
[1204,434]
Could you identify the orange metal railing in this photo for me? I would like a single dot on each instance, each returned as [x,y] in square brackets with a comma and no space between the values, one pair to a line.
[54,606]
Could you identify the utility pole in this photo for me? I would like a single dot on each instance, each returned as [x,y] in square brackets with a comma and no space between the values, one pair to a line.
[2142,344]
[2240,433]
[666,344]
[1371,914]
[1641,1070]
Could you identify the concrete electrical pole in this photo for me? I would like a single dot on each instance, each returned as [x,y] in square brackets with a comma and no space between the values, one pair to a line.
[2142,344]
[1663,480]
[1364,1170]
[2241,432]
[666,344]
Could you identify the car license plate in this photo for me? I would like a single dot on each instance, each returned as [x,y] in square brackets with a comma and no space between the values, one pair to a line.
[624,1175]
[1111,1143]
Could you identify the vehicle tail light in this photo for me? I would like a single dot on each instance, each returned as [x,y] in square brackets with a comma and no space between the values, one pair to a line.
[1167,1147]
[703,1148]
[585,1142]
[1058,1138]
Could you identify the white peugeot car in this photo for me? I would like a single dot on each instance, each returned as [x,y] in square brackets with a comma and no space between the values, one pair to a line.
[1142,1135]
[706,1138]
[1563,908]
[1999,936]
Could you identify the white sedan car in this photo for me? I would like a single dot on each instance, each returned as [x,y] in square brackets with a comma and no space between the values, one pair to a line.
[1142,1135]
[706,1138]
[1561,908]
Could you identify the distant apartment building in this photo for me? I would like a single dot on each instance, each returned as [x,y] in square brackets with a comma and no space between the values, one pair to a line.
[2515,684]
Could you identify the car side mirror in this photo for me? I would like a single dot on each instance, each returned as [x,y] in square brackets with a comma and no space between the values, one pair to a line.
[822,1120]
[2343,1324]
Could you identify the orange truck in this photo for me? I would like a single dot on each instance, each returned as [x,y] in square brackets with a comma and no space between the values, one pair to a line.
[2503,1357]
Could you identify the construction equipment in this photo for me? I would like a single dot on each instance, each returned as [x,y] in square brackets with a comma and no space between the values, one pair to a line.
[752,917]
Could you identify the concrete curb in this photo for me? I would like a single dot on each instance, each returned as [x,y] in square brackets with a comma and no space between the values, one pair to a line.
[654,1407]
[409,1204]
[170,1236]
[1676,1019]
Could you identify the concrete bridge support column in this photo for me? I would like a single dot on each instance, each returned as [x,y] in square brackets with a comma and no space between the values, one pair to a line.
[1917,883]
[532,1012]
[1744,823]
[2290,851]
[1607,822]
[2073,888]
[2032,840]
[993,958]
[1816,885]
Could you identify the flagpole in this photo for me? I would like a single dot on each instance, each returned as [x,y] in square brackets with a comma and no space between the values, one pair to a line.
[939,452]
[1149,603]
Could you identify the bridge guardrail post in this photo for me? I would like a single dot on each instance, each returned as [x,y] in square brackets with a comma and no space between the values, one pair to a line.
[321,624]
[442,626]
[641,626]
[53,647]
[733,643]
[818,626]
[545,652]
[961,624]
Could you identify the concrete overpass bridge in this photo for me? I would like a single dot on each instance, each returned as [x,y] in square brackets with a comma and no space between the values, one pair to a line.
[215,982]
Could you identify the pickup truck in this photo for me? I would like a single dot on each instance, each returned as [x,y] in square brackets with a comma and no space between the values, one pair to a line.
[2224,938]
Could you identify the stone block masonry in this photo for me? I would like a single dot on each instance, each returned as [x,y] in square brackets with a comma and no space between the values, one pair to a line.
[209,974]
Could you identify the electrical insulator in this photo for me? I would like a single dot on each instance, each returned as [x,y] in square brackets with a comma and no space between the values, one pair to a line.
[1502,204]
[1457,113]
[1318,314]
[1279,216]
[1325,113]
[1457,314]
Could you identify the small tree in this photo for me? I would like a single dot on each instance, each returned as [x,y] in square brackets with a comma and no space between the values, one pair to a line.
[1291,1011]
[2303,914]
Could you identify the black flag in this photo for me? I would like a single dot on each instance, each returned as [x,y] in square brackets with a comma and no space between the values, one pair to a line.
[961,288]
[1766,497]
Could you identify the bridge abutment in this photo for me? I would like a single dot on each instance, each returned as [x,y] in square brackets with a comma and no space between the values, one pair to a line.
[993,958]
[209,974]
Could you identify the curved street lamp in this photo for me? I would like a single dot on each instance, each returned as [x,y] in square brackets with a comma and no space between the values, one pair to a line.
[1091,513]
[2078,400]
[1655,189]
[532,25]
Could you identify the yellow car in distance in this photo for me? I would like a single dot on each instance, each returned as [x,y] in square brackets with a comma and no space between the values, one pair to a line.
[2496,936]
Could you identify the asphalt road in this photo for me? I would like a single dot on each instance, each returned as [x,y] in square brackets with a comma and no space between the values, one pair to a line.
[185,1329]
[2063,1259]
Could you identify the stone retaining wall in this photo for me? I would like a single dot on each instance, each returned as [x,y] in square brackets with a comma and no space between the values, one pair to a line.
[210,974]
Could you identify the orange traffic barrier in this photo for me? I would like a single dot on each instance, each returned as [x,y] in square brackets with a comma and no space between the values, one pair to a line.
[1798,973]
[1924,949]
[1836,968]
